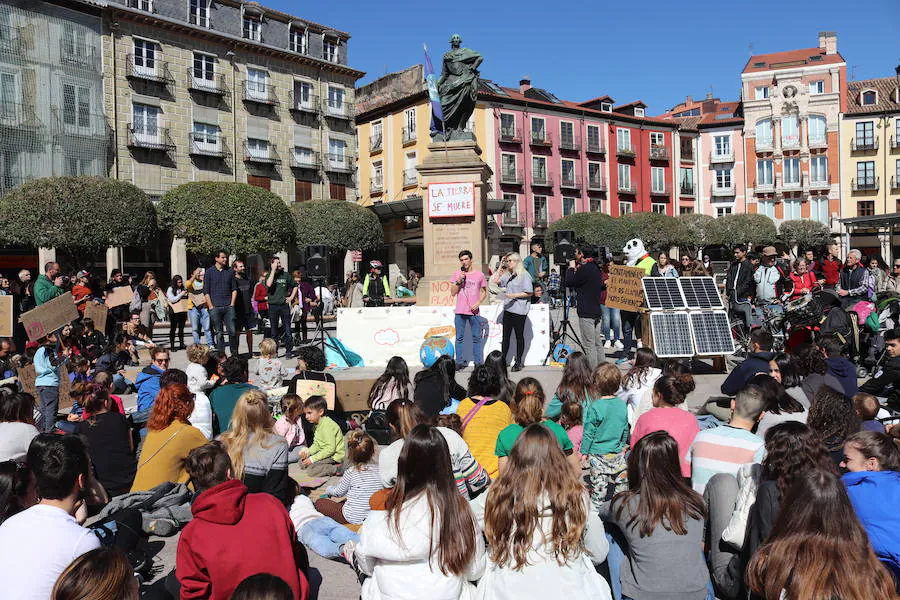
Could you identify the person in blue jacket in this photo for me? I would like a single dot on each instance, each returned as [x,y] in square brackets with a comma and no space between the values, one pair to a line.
[838,366]
[757,362]
[873,484]
[147,383]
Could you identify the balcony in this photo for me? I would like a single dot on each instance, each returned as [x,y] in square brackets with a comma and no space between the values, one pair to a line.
[338,163]
[541,138]
[376,142]
[208,145]
[150,138]
[596,184]
[660,190]
[623,150]
[511,176]
[895,184]
[304,158]
[627,187]
[687,154]
[659,153]
[260,93]
[817,143]
[722,191]
[150,69]
[764,187]
[540,220]
[21,129]
[267,155]
[208,83]
[725,156]
[541,180]
[595,147]
[895,143]
[570,181]
[792,143]
[865,184]
[864,144]
[11,40]
[509,135]
[409,136]
[68,125]
[338,109]
[792,185]
[303,103]
[376,184]
[822,183]
[77,55]
[571,143]
[410,177]
[687,189]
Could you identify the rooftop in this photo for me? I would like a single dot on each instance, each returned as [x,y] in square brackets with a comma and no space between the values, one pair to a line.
[885,89]
[791,60]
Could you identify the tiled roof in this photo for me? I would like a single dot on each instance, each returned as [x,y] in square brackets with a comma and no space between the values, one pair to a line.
[886,101]
[791,59]
[635,103]
[290,17]
[596,100]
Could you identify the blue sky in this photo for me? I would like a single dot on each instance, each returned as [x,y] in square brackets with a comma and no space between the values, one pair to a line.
[655,50]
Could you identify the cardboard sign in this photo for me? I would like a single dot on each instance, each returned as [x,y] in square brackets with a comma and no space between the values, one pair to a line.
[27,376]
[6,316]
[47,318]
[623,288]
[314,387]
[198,300]
[434,292]
[119,296]
[97,313]
[179,307]
[451,200]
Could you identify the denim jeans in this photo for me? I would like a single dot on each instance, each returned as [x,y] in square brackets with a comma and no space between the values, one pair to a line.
[200,320]
[612,319]
[49,397]
[629,325]
[221,318]
[325,536]
[282,313]
[120,384]
[476,323]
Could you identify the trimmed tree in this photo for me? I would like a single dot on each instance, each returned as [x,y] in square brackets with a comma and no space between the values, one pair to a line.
[237,217]
[83,215]
[595,228]
[750,229]
[801,233]
[337,224]
[658,232]
[699,231]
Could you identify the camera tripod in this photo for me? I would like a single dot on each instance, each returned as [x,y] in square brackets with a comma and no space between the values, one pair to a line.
[320,334]
[565,332]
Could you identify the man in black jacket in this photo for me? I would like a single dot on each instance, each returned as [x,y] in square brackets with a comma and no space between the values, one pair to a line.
[757,362]
[886,383]
[739,286]
[583,275]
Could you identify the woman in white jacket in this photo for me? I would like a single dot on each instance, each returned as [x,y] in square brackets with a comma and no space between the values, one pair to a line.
[544,538]
[426,544]
[198,383]
[637,386]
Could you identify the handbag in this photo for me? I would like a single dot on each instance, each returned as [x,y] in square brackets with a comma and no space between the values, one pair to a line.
[471,414]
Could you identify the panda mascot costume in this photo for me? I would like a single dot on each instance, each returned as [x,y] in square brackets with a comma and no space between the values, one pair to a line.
[636,256]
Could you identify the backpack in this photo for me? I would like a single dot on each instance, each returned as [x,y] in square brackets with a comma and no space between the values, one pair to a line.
[135,301]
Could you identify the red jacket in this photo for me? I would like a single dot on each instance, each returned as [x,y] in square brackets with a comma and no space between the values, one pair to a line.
[830,270]
[261,295]
[235,534]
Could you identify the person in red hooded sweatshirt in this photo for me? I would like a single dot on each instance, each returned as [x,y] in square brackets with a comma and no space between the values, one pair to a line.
[234,534]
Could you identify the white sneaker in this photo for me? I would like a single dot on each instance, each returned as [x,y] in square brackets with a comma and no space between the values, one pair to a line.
[347,551]
[619,345]
[607,345]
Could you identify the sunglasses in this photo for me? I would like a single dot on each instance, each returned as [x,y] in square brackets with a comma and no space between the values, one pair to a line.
[162,360]
[897,266]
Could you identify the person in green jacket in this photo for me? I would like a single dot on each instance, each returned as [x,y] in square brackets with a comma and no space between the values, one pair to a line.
[49,285]
[326,453]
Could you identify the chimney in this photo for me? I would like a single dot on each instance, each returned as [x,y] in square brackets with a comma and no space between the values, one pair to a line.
[524,84]
[828,41]
[689,101]
[709,96]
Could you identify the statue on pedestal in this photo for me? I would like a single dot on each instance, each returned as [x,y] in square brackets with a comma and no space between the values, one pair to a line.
[458,87]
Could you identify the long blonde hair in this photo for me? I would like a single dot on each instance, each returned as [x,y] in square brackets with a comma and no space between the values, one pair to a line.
[251,419]
[520,267]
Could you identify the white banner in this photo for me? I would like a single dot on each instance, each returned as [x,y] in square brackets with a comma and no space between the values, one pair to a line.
[451,200]
[377,334]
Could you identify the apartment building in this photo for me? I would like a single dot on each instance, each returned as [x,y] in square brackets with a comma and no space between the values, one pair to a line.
[792,103]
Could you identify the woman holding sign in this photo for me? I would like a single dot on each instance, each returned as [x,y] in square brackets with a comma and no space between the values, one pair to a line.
[175,294]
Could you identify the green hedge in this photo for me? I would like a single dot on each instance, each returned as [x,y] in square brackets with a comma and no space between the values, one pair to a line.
[337,224]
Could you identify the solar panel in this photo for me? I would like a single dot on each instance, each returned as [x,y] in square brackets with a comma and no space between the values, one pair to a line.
[671,334]
[663,293]
[712,332]
[700,292]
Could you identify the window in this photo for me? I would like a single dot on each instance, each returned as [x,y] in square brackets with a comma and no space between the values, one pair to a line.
[767,208]
[865,135]
[252,28]
[10,176]
[410,175]
[260,181]
[687,148]
[638,112]
[792,209]
[508,168]
[791,171]
[376,141]
[568,206]
[686,181]
[764,133]
[507,126]
[302,190]
[816,87]
[723,145]
[204,70]
[141,4]
[329,50]
[9,95]
[567,171]
[78,166]
[198,12]
[723,179]
[336,105]
[595,175]
[761,93]
[658,179]
[377,183]
[817,128]
[606,106]
[818,210]
[539,169]
[206,137]
[257,148]
[144,57]
[337,152]
[566,134]
[624,177]
[145,123]
[511,213]
[298,40]
[303,155]
[540,210]
[73,41]
[623,139]
[303,97]
[76,105]
[657,138]
[869,98]
[410,124]
[865,174]
[257,84]
[790,132]
[897,169]
[818,169]
[625,208]
[538,130]
[593,138]
[658,207]
[765,172]
[865,208]
[686,210]
[721,211]
[596,205]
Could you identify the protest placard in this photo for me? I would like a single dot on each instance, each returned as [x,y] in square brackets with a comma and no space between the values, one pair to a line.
[48,317]
[97,313]
[623,288]
[119,296]
[6,316]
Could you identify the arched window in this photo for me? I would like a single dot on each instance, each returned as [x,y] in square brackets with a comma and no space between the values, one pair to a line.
[764,133]
[817,128]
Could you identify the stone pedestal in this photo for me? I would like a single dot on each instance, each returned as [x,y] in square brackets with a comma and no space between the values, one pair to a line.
[113,260]
[457,161]
[178,258]
[45,255]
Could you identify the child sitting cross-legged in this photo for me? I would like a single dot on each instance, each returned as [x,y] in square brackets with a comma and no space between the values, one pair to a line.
[290,425]
[358,483]
[324,455]
[270,372]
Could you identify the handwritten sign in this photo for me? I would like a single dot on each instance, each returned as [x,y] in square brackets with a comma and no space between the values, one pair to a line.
[6,316]
[50,316]
[98,314]
[451,200]
[314,387]
[623,288]
[119,296]
[436,292]
[179,307]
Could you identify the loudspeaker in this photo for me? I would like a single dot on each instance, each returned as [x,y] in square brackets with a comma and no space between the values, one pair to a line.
[317,261]
[564,249]
[563,236]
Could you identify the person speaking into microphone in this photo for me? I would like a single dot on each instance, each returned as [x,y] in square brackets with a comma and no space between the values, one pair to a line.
[469,287]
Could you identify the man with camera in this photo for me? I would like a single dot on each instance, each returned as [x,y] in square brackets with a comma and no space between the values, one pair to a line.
[281,292]
[469,287]
[584,276]
[49,285]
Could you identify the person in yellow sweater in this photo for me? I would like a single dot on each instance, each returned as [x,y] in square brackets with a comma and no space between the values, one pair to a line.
[484,416]
[170,438]
[326,453]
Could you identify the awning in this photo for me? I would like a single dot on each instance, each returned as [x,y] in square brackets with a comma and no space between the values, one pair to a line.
[886,220]
[412,207]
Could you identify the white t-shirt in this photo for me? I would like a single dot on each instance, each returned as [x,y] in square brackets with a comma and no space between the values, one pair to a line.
[36,546]
[15,439]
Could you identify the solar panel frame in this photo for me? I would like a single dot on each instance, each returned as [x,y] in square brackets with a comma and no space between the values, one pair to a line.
[711,332]
[671,334]
[663,293]
[700,292]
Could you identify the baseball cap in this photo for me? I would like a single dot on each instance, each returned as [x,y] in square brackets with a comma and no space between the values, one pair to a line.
[82,273]
[769,251]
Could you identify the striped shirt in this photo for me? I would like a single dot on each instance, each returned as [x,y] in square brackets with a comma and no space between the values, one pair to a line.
[722,449]
[358,485]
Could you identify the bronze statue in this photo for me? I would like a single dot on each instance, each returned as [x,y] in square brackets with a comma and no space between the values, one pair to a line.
[458,87]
